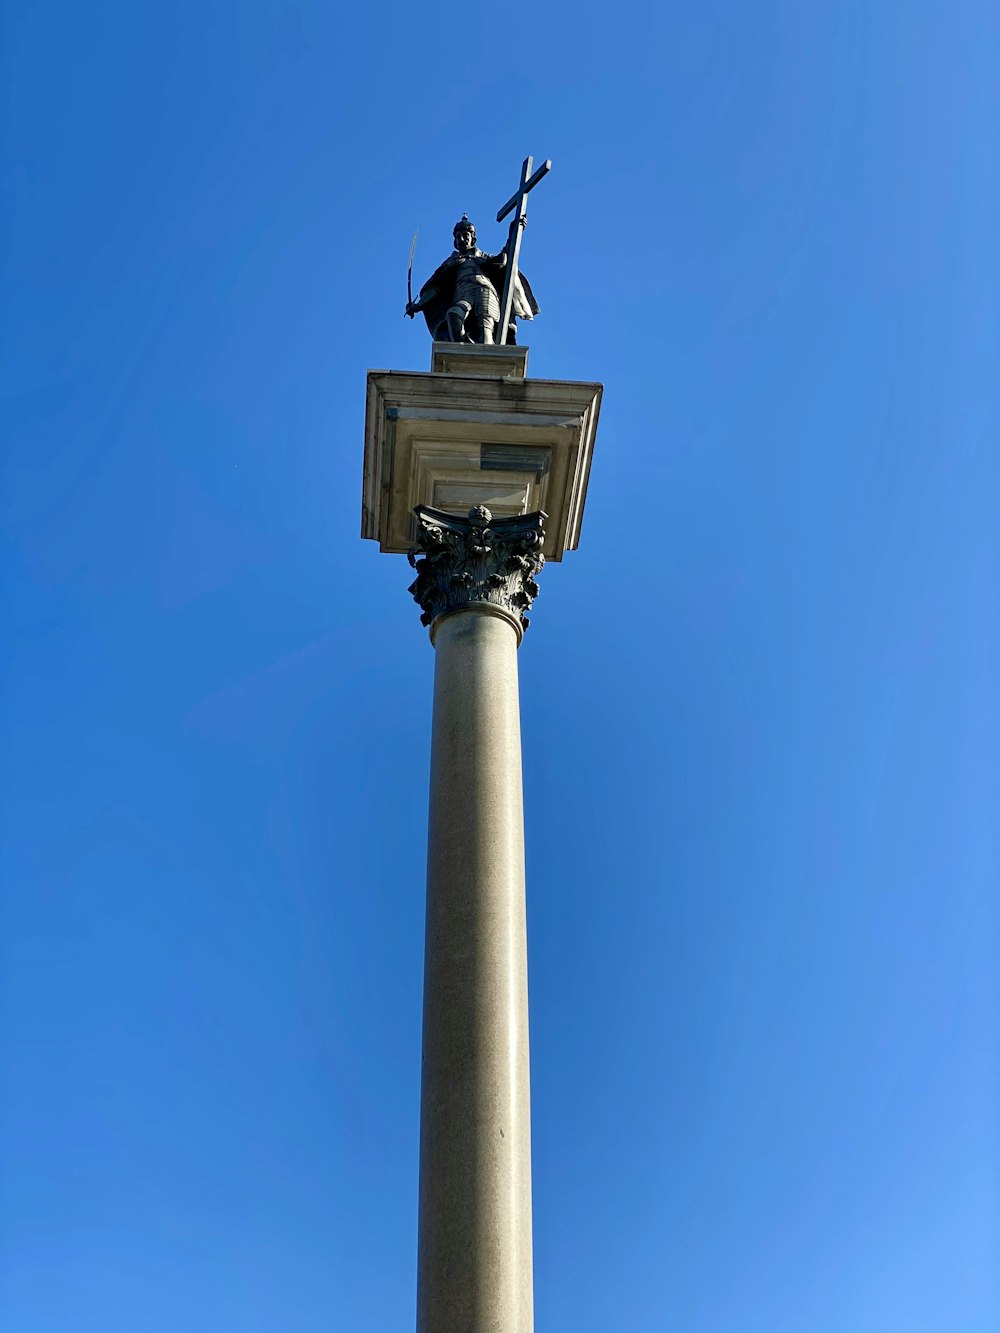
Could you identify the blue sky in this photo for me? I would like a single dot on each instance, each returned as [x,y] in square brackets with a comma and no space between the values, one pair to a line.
[759,703]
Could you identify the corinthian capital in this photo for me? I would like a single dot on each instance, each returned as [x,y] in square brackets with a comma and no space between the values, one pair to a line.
[476,563]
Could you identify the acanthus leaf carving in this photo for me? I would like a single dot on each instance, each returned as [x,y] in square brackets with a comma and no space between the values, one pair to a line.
[461,562]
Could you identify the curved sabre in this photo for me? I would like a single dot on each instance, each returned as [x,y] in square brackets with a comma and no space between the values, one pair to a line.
[409,271]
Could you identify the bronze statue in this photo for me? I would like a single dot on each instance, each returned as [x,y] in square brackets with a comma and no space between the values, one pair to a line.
[461,299]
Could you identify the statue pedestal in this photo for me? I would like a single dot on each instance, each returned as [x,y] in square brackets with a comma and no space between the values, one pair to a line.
[474,431]
[475,435]
[510,362]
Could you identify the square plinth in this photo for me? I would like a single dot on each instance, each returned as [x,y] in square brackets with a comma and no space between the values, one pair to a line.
[475,431]
[510,362]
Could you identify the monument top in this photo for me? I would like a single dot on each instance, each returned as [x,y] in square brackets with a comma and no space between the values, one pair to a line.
[474,431]
[475,434]
[475,296]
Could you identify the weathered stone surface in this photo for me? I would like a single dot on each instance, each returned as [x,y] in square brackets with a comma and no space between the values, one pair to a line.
[476,563]
[510,361]
[456,440]
[474,1260]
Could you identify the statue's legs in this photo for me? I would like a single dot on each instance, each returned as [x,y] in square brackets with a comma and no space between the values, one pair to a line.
[457,317]
[475,320]
[487,307]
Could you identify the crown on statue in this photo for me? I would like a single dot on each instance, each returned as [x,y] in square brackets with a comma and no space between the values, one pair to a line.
[464,222]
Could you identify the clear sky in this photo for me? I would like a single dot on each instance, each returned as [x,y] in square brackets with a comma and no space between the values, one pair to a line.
[759,703]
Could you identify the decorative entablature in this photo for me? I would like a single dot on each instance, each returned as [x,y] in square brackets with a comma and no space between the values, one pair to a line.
[475,432]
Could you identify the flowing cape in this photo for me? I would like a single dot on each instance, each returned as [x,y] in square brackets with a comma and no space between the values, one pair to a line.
[442,284]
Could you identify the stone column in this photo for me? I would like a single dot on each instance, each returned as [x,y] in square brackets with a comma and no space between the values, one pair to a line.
[474,584]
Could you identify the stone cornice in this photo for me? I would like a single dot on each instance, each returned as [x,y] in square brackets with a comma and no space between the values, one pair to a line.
[433,437]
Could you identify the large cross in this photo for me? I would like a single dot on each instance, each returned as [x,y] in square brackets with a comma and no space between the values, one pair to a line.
[517,201]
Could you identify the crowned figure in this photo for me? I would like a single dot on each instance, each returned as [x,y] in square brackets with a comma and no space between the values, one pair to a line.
[461,299]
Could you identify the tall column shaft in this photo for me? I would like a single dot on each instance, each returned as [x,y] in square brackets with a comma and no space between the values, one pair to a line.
[474,1261]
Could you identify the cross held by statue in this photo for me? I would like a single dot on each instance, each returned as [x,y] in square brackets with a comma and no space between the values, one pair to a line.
[517,204]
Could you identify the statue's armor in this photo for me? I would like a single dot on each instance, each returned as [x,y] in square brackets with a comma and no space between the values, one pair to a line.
[461,300]
[473,290]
